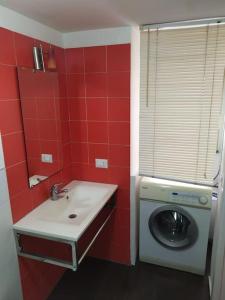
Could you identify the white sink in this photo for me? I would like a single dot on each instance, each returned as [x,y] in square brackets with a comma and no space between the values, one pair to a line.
[69,216]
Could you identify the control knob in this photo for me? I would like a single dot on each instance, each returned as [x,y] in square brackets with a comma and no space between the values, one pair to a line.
[203,200]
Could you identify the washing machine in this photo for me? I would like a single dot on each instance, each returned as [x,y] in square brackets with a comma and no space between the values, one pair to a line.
[174,224]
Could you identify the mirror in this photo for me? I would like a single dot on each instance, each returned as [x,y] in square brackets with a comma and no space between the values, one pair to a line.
[39,97]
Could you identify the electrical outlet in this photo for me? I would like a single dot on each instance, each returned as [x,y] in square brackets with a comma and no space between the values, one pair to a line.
[101,163]
[47,158]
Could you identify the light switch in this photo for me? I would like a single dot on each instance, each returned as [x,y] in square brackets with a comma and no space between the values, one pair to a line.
[101,163]
[47,158]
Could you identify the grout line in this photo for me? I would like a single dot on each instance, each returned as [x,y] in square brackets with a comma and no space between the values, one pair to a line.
[9,100]
[85,94]
[99,121]
[14,47]
[16,164]
[97,97]
[106,72]
[107,103]
[12,133]
[103,144]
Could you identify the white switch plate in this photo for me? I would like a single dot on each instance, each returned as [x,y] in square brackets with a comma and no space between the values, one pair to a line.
[47,158]
[101,163]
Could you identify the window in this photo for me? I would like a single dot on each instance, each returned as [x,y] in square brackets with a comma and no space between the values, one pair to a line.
[182,74]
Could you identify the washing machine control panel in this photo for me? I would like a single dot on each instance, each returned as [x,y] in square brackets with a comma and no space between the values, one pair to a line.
[175,192]
[187,198]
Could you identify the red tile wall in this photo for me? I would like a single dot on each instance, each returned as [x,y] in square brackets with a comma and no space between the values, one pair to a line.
[98,90]
[38,279]
[94,96]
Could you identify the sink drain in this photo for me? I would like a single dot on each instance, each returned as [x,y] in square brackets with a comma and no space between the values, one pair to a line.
[72,216]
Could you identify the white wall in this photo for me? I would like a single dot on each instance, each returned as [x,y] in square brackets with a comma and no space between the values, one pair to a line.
[16,22]
[19,23]
[10,288]
[134,182]
[99,37]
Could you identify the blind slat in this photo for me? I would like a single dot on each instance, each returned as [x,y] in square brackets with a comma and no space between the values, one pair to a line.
[182,73]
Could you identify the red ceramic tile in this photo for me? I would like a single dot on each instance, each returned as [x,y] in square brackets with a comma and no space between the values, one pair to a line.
[27,83]
[79,152]
[97,132]
[17,178]
[77,108]
[45,108]
[33,166]
[79,171]
[97,109]
[65,132]
[78,131]
[118,58]
[50,169]
[50,147]
[89,173]
[44,84]
[7,49]
[40,193]
[29,108]
[122,218]
[119,84]
[10,116]
[33,148]
[67,173]
[21,204]
[62,85]
[31,285]
[120,253]
[119,109]
[60,59]
[97,151]
[119,155]
[10,143]
[63,109]
[75,85]
[96,85]
[119,133]
[123,199]
[119,234]
[74,60]
[24,53]
[95,59]
[59,131]
[9,90]
[66,155]
[120,176]
[47,129]
[31,130]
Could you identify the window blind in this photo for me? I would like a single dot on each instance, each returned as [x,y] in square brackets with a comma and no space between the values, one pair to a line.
[182,73]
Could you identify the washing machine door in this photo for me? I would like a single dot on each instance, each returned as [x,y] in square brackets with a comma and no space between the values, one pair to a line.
[173,227]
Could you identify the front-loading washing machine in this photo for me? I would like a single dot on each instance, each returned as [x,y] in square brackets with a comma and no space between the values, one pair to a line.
[174,224]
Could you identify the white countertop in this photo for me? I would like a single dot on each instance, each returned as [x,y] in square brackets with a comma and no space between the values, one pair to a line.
[51,218]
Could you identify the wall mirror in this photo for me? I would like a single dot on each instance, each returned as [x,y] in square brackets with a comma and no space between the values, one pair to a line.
[39,97]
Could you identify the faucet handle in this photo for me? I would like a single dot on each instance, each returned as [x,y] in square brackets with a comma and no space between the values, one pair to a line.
[55,187]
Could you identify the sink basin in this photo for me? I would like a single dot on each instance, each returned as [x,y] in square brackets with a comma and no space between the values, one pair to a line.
[80,201]
[69,216]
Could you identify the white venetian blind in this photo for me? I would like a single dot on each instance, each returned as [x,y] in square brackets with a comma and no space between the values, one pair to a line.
[182,73]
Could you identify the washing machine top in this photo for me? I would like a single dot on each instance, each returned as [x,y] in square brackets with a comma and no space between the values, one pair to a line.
[168,191]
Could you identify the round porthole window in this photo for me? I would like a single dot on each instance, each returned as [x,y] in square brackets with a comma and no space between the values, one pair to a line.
[173,227]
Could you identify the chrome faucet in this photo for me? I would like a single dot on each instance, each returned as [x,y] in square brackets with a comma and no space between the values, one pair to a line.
[57,193]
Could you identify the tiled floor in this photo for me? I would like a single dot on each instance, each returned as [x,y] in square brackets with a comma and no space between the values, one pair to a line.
[101,280]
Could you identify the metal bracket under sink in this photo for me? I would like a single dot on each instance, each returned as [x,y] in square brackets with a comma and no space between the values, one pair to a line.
[73,265]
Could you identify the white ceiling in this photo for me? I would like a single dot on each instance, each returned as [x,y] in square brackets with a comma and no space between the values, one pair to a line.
[76,15]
